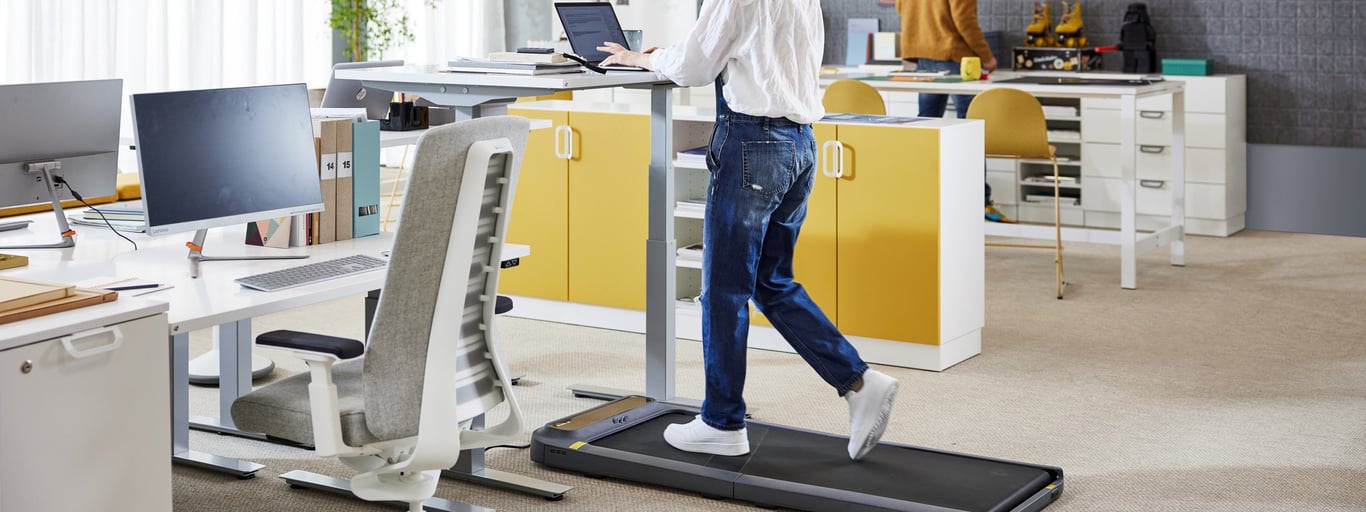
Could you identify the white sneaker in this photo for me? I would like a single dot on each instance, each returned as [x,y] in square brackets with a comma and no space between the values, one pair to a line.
[869,410]
[698,437]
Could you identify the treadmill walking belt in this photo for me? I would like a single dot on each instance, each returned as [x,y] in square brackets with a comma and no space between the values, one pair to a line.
[798,469]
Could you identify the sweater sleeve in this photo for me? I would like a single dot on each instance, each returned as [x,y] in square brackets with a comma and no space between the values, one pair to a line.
[965,18]
[700,57]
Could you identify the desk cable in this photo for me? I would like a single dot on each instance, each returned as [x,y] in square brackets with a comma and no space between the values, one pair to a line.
[58,179]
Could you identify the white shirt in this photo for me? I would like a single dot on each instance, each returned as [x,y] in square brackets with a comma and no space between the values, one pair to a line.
[770,51]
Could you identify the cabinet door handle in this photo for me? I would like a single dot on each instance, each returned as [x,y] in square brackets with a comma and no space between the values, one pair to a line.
[827,167]
[69,342]
[1151,114]
[839,160]
[1152,183]
[1156,150]
[564,138]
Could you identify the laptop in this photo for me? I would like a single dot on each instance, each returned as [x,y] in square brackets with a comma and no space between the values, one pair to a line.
[588,25]
[351,94]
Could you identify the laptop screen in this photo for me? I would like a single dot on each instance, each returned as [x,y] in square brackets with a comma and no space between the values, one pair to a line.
[588,25]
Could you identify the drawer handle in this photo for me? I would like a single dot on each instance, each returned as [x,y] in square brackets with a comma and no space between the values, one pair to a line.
[1156,150]
[69,342]
[1152,183]
[564,142]
[1151,114]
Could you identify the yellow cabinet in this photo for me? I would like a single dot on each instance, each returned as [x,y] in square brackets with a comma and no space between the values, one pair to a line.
[540,214]
[888,231]
[609,191]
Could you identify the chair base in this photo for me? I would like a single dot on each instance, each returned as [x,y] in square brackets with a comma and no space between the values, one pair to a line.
[307,480]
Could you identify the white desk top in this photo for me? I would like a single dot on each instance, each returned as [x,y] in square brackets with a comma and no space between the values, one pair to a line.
[211,299]
[427,74]
[1040,90]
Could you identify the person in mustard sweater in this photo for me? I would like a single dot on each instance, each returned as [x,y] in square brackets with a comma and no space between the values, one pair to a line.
[935,36]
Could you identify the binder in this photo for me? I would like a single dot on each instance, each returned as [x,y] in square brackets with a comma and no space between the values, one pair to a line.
[342,214]
[327,223]
[365,183]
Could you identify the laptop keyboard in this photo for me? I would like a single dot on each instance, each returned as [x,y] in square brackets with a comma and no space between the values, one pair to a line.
[311,273]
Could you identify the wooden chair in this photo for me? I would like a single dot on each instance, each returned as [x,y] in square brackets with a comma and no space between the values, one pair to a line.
[1015,128]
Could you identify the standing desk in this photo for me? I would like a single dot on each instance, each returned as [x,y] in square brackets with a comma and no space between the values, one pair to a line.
[1130,241]
[212,300]
[476,95]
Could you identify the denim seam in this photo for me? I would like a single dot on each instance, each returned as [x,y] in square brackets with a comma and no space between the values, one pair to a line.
[825,372]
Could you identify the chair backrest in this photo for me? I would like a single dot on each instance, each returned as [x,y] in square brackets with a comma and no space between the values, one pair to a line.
[1014,123]
[431,360]
[853,97]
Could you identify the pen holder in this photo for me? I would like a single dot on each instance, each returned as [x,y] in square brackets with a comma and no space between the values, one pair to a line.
[404,116]
[971,68]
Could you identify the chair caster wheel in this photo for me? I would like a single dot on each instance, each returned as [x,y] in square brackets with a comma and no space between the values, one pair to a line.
[556,497]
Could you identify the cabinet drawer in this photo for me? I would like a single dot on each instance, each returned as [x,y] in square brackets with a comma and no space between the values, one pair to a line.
[88,432]
[1202,164]
[1206,165]
[1044,214]
[1206,94]
[1153,126]
[1161,103]
[1001,164]
[1206,131]
[1153,197]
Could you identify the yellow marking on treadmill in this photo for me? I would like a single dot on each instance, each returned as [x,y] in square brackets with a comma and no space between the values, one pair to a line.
[577,445]
[1050,487]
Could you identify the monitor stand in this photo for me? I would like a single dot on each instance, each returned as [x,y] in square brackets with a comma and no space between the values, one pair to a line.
[68,235]
[197,254]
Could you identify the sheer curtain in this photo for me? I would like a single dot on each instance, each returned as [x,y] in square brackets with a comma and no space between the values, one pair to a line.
[454,28]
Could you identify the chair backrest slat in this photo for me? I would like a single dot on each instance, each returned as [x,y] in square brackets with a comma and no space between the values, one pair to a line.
[1015,124]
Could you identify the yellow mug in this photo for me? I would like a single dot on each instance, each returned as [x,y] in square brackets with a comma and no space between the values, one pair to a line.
[971,68]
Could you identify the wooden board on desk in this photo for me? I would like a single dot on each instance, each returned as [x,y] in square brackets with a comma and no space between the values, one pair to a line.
[79,298]
[20,293]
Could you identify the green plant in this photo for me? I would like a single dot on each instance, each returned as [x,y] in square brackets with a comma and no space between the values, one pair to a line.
[371,25]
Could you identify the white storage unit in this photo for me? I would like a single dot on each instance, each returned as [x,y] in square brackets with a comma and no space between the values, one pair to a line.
[85,410]
[1216,158]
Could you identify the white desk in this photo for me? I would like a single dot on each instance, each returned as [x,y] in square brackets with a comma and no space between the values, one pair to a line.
[1130,241]
[213,300]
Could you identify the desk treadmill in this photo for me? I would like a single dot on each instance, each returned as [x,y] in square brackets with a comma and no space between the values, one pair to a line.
[788,467]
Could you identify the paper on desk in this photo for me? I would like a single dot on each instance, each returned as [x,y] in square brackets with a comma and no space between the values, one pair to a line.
[119,225]
[358,114]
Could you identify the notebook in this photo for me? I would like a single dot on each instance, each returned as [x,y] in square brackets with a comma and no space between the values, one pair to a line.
[588,25]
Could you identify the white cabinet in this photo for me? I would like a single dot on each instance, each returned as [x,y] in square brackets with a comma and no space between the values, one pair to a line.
[85,418]
[1216,157]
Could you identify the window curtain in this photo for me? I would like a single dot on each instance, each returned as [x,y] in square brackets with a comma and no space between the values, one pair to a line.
[453,28]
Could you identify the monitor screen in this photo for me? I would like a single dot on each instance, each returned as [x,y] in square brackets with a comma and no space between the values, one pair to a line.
[73,123]
[219,157]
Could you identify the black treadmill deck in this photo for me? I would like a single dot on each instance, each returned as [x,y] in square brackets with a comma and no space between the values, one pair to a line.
[793,468]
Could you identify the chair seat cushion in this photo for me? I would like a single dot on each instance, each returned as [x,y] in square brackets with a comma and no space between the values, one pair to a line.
[281,409]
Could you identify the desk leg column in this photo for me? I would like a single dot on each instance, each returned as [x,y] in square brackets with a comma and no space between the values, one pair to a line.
[1179,177]
[660,251]
[234,366]
[1128,158]
[180,418]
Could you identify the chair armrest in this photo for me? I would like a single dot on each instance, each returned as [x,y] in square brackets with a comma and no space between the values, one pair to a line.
[341,348]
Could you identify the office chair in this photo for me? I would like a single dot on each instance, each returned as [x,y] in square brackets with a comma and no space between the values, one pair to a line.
[1015,128]
[853,97]
[398,408]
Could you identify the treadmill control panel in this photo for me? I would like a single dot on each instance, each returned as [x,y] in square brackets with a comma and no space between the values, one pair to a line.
[618,411]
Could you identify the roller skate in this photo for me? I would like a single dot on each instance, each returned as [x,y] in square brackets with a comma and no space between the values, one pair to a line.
[1039,33]
[1069,29]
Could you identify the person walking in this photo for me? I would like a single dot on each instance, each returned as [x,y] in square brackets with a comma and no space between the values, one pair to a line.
[764,57]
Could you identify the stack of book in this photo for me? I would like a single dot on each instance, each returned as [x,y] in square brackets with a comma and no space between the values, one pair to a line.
[695,157]
[690,253]
[515,64]
[122,218]
[691,207]
[21,299]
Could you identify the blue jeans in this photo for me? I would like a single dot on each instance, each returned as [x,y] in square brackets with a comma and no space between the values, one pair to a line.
[934,105]
[762,171]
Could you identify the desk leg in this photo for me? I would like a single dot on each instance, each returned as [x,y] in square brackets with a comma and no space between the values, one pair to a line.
[1179,177]
[234,371]
[660,251]
[180,418]
[1128,168]
[470,468]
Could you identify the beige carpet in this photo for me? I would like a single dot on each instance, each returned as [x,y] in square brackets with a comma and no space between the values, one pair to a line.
[1235,383]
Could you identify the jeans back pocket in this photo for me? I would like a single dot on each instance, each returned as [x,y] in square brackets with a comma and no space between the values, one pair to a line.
[769,166]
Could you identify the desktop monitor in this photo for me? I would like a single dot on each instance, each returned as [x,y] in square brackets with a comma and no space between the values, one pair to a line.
[66,129]
[223,157]
[351,94]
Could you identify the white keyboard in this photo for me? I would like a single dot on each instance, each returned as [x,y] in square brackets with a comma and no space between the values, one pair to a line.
[311,273]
